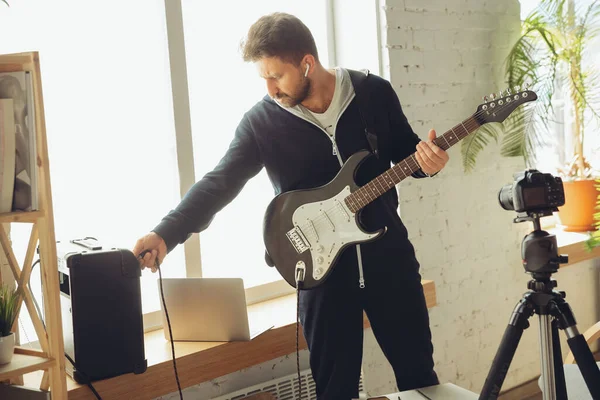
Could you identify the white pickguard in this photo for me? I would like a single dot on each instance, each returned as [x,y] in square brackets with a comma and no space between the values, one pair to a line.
[323,227]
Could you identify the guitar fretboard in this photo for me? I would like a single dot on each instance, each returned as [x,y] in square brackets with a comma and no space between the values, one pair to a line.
[405,168]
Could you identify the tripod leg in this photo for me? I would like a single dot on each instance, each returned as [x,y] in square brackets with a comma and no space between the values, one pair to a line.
[559,371]
[581,351]
[547,357]
[506,351]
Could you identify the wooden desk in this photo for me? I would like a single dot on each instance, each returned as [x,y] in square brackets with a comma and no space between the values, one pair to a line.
[199,362]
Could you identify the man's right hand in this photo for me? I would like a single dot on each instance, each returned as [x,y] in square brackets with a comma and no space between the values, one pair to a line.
[157,250]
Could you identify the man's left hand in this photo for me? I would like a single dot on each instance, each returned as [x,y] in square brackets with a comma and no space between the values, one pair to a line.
[430,157]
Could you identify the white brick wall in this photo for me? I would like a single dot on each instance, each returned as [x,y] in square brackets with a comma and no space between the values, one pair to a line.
[442,57]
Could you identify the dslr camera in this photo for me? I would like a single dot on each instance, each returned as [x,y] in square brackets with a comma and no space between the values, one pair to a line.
[533,195]
[532,191]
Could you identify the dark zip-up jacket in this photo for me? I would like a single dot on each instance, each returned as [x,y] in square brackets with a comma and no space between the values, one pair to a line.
[298,155]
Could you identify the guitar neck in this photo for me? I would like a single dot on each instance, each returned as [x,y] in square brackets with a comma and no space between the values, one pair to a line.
[405,168]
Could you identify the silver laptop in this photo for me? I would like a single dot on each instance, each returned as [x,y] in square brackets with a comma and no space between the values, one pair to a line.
[207,310]
[445,391]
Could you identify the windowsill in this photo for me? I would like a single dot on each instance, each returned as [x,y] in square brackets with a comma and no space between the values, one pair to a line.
[199,362]
[572,244]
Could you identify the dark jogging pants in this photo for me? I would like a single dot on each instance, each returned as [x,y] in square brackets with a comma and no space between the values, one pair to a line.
[332,319]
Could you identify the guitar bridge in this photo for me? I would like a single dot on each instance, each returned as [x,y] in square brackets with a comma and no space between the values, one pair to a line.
[298,240]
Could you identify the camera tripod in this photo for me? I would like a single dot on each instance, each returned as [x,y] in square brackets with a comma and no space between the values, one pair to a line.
[541,259]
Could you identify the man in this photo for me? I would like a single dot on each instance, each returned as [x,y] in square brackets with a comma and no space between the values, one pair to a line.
[312,120]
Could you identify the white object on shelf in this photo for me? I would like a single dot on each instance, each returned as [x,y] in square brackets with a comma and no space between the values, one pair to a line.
[7,348]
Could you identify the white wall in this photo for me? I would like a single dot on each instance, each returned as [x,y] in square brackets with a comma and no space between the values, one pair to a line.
[442,57]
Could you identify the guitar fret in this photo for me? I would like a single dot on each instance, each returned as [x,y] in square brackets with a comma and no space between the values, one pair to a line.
[452,129]
[395,173]
[375,182]
[416,165]
[466,130]
[357,206]
[372,189]
[404,169]
[348,202]
[396,168]
[388,182]
[405,175]
[365,193]
[389,179]
[351,204]
[362,196]
[392,182]
[444,136]
[382,187]
[361,201]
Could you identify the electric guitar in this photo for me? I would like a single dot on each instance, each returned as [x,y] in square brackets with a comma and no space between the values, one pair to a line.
[305,231]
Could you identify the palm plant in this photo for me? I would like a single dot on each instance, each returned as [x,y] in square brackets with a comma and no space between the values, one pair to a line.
[548,55]
[9,300]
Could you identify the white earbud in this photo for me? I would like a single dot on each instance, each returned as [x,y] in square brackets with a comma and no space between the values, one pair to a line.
[307,68]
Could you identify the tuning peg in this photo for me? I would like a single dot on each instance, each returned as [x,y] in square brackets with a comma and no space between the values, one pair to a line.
[501,93]
[485,99]
[517,88]
[526,85]
[492,96]
[508,91]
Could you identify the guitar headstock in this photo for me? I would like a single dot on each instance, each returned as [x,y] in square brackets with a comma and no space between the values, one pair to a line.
[498,107]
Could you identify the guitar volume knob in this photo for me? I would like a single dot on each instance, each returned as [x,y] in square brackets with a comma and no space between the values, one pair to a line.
[320,260]
[320,248]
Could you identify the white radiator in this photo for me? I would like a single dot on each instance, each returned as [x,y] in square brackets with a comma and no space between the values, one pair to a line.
[285,388]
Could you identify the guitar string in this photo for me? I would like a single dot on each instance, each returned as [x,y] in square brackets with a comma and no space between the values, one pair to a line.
[335,210]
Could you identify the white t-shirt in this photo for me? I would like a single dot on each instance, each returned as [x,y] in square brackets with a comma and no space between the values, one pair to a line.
[328,119]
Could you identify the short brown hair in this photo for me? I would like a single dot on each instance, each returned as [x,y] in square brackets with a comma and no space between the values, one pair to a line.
[279,35]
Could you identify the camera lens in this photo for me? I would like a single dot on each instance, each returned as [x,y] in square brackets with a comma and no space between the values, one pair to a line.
[505,197]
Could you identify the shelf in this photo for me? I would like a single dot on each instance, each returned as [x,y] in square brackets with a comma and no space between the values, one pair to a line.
[42,238]
[21,216]
[573,244]
[23,364]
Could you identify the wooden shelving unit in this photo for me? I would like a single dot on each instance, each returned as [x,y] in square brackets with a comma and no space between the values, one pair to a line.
[51,357]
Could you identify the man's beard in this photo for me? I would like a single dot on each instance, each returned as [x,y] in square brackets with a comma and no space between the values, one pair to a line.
[292,100]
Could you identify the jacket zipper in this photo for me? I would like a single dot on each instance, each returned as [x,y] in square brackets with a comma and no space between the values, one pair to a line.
[361,277]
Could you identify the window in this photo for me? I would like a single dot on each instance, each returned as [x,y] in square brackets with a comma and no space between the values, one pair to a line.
[558,150]
[222,88]
[109,120]
[110,128]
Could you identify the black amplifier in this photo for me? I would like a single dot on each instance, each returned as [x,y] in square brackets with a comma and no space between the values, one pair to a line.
[101,306]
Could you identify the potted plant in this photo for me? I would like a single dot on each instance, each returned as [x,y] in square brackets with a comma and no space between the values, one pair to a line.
[548,55]
[9,300]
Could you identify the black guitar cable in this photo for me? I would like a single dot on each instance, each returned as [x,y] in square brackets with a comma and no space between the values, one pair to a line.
[162,295]
[299,281]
